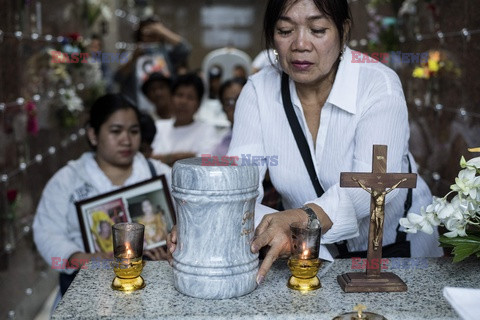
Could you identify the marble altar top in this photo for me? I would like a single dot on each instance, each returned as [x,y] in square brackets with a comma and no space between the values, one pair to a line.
[90,295]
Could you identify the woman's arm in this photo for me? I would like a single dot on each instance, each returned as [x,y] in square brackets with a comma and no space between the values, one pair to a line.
[51,223]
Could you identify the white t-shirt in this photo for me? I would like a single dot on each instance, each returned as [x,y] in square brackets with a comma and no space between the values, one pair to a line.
[197,137]
[211,112]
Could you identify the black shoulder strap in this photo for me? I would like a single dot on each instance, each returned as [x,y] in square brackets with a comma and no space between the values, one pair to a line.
[299,136]
[152,168]
[402,236]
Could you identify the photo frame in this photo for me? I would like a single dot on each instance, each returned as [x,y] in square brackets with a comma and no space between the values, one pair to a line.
[147,202]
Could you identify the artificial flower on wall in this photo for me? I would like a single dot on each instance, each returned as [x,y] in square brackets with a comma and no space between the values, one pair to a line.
[437,65]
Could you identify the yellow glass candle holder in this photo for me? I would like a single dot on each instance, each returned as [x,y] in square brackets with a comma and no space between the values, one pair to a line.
[304,262]
[128,252]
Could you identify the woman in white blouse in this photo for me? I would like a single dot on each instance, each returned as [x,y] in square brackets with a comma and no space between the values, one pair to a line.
[344,108]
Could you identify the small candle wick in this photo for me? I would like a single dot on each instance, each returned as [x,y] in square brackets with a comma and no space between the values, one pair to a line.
[129,251]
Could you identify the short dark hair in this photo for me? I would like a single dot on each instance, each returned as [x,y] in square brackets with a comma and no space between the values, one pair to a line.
[147,127]
[156,77]
[190,79]
[228,83]
[104,107]
[337,10]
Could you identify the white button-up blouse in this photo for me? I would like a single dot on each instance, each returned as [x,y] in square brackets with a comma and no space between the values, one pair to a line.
[366,106]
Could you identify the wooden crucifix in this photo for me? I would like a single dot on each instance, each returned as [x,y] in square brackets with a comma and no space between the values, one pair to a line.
[378,183]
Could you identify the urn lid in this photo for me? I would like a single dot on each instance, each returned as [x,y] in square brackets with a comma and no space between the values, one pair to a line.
[206,174]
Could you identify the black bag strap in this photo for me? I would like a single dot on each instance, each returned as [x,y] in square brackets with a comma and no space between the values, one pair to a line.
[152,168]
[302,143]
[402,236]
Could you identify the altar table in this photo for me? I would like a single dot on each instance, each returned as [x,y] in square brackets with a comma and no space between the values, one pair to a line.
[90,295]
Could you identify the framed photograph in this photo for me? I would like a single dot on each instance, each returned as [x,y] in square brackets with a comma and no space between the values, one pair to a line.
[147,202]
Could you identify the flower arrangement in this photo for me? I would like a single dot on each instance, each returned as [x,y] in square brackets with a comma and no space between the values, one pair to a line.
[73,43]
[460,215]
[56,82]
[437,64]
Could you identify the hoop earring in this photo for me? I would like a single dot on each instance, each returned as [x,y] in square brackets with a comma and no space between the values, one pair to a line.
[275,53]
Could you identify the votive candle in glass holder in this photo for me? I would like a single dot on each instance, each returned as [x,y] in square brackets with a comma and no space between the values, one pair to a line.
[127,255]
[304,262]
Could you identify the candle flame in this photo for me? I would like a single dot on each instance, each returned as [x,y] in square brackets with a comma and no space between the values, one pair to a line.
[305,254]
[129,250]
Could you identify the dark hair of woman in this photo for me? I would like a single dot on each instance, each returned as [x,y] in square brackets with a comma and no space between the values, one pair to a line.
[147,127]
[337,10]
[104,107]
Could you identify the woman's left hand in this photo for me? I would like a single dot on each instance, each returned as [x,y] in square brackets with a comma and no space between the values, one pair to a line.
[274,231]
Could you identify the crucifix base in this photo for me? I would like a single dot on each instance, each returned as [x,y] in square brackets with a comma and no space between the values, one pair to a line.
[361,282]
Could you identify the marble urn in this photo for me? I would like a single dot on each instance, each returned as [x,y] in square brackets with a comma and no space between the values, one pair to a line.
[215,224]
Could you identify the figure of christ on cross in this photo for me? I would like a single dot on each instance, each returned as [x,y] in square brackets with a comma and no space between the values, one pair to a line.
[377,215]
[378,183]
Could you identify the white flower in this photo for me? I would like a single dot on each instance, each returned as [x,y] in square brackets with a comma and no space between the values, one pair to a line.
[70,99]
[436,205]
[456,225]
[414,222]
[465,183]
[456,215]
[472,163]
[446,212]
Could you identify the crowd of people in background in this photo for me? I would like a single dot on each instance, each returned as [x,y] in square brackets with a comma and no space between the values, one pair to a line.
[166,113]
[183,113]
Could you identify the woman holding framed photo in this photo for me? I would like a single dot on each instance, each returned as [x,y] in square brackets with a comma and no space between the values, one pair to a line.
[115,161]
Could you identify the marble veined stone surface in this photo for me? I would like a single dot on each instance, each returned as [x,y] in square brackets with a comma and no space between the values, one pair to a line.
[91,297]
[215,224]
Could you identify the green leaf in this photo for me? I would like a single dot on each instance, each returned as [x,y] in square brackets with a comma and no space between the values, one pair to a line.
[461,252]
[472,237]
[463,247]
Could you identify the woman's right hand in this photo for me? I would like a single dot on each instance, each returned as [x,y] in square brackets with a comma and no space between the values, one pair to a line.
[171,243]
